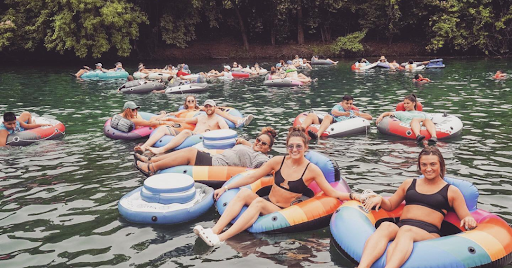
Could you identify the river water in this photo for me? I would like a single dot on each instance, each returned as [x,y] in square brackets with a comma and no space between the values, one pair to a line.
[58,204]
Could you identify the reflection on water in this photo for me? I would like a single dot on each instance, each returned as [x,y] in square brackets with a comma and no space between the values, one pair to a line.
[59,198]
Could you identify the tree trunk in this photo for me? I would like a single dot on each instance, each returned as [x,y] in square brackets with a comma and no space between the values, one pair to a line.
[300,30]
[241,23]
[272,36]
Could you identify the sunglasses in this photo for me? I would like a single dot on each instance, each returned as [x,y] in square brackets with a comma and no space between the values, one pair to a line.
[191,101]
[299,147]
[134,110]
[264,143]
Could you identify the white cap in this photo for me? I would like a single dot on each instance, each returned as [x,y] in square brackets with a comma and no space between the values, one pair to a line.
[227,67]
[209,102]
[99,64]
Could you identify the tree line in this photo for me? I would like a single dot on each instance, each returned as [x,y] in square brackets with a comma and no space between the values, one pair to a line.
[91,28]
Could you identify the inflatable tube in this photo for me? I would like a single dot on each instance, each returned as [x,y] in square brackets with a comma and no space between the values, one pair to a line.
[213,176]
[135,87]
[240,75]
[29,136]
[435,64]
[321,62]
[188,142]
[220,139]
[105,75]
[187,88]
[384,65]
[134,208]
[400,106]
[447,126]
[361,68]
[229,110]
[339,129]
[286,82]
[132,135]
[488,245]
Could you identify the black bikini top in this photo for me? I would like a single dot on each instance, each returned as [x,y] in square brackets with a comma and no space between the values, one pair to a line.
[296,186]
[437,201]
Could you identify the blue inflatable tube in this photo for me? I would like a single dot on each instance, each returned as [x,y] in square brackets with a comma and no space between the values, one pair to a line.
[188,142]
[104,75]
[134,209]
[351,227]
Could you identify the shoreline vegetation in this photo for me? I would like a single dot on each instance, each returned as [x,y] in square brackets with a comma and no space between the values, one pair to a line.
[192,29]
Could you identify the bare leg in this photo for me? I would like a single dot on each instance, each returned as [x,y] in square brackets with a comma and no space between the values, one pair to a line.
[243,198]
[328,120]
[80,73]
[25,117]
[159,133]
[416,126]
[431,127]
[376,245]
[403,244]
[182,157]
[309,120]
[173,143]
[229,117]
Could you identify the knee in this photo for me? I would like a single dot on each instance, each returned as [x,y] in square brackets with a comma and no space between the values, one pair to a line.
[257,203]
[25,114]
[328,118]
[186,132]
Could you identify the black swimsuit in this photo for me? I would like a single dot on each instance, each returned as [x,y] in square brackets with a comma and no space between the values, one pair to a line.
[297,186]
[437,201]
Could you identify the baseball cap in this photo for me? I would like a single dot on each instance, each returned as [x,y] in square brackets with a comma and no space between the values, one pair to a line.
[99,64]
[209,102]
[130,105]
[227,67]
[278,65]
[289,62]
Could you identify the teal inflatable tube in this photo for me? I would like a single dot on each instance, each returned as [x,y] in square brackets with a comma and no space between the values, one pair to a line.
[104,76]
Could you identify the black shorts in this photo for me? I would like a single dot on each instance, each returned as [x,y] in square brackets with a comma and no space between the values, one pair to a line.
[203,159]
[430,228]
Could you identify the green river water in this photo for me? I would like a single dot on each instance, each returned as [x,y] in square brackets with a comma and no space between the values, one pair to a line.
[58,199]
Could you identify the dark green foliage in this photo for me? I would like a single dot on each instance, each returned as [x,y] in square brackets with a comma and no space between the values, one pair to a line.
[94,27]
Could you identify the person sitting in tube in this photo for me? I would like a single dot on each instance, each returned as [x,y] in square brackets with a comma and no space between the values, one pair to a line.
[394,65]
[292,175]
[182,75]
[383,59]
[244,154]
[190,105]
[118,67]
[291,72]
[314,58]
[420,78]
[361,62]
[410,66]
[131,112]
[500,75]
[414,118]
[340,112]
[12,125]
[86,69]
[305,64]
[204,123]
[226,73]
[422,215]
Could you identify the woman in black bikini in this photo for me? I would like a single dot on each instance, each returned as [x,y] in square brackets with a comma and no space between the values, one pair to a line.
[292,174]
[426,203]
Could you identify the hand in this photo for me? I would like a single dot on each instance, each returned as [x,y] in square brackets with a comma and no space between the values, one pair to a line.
[356,113]
[378,120]
[45,125]
[469,223]
[217,193]
[373,202]
[163,112]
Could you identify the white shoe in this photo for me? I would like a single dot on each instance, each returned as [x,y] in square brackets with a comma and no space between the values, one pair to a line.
[245,121]
[210,238]
[198,229]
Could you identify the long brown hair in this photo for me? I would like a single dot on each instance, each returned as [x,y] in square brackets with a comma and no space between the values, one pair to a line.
[128,114]
[185,105]
[432,150]
[270,132]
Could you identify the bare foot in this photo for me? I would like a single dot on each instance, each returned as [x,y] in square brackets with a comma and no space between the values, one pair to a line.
[142,157]
[156,150]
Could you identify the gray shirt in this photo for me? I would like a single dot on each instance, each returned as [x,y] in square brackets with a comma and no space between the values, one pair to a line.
[240,156]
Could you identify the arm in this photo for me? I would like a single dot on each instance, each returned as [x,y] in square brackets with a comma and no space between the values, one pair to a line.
[222,123]
[3,137]
[458,203]
[265,169]
[31,126]
[319,178]
[243,141]
[336,112]
[192,120]
[383,115]
[391,203]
